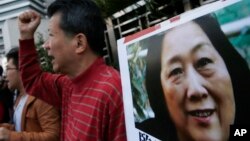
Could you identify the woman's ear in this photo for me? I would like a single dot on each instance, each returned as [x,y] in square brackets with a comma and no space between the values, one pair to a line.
[81,41]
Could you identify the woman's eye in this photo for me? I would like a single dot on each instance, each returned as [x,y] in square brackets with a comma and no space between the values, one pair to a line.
[203,62]
[175,72]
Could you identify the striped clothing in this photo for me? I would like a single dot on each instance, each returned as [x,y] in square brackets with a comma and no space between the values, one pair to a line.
[91,104]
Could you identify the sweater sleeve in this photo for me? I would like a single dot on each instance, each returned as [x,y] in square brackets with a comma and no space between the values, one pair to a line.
[49,121]
[43,85]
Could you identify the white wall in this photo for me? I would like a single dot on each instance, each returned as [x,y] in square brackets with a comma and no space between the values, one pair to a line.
[11,33]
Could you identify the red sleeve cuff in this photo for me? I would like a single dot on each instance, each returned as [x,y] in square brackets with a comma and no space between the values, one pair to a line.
[27,46]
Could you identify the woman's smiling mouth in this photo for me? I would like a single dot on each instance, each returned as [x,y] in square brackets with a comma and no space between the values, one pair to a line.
[202,117]
[201,113]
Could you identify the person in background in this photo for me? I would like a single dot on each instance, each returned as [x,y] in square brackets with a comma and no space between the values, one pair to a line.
[33,118]
[1,93]
[6,100]
[87,91]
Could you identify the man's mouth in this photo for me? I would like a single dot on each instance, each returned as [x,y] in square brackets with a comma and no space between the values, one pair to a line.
[202,113]
[51,58]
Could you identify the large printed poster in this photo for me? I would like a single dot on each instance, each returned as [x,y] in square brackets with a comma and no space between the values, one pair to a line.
[188,78]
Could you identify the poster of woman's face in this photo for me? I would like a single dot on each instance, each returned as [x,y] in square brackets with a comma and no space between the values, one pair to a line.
[188,79]
[196,84]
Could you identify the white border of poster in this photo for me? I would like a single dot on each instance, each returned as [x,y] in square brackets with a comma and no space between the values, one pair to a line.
[132,132]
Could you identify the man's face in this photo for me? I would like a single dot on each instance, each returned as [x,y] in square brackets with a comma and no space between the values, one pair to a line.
[59,46]
[12,75]
[196,84]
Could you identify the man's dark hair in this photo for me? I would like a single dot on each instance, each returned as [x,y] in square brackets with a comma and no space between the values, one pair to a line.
[81,16]
[13,54]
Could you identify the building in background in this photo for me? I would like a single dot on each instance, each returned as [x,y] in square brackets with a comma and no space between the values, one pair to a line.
[9,11]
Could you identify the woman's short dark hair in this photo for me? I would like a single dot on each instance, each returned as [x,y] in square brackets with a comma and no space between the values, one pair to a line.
[81,16]
[236,66]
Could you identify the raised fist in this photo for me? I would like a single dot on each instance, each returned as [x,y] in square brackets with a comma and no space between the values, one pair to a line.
[28,23]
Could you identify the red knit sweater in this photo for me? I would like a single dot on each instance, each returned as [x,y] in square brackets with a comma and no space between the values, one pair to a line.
[91,104]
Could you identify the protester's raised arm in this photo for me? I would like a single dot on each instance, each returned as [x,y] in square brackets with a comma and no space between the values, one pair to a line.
[36,82]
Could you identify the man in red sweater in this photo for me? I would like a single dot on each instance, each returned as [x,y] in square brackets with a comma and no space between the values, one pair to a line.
[87,91]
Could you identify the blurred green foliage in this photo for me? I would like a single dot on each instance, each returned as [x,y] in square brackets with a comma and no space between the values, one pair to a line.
[109,7]
[234,13]
[44,59]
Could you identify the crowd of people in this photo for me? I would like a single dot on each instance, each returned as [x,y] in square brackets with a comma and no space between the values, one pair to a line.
[82,100]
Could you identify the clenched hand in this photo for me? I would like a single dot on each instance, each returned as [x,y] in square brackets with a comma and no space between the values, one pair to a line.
[28,23]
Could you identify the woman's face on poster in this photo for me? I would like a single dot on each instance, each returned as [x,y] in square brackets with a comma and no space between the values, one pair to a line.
[196,85]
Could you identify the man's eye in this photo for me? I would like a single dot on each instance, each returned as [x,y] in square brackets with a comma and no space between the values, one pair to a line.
[175,72]
[203,62]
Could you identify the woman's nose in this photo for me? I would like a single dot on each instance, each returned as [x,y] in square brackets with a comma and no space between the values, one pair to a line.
[196,89]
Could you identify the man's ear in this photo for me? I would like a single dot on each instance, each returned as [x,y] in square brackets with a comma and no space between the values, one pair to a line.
[81,41]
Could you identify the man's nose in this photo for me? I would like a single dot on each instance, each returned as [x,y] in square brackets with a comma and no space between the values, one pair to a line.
[196,89]
[46,44]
